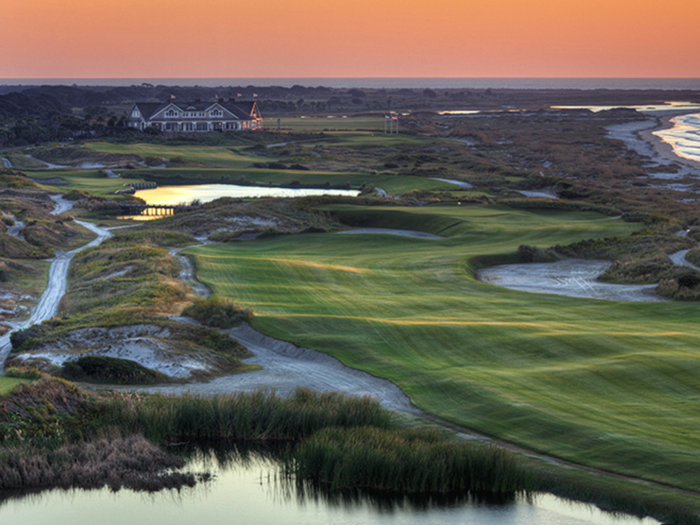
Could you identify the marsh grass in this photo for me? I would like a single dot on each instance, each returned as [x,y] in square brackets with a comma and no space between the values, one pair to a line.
[406,461]
[258,416]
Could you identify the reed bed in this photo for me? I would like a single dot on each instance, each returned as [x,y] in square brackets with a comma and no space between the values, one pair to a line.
[259,416]
[406,461]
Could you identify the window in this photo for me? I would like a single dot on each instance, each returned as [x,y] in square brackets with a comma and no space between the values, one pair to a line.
[171,113]
[202,126]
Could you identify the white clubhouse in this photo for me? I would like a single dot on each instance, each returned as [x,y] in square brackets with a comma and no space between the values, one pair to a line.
[197,116]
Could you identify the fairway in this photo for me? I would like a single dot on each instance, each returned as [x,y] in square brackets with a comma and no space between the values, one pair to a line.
[603,383]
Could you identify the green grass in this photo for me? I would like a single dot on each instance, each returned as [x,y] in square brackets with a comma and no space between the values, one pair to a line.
[605,383]
[89,180]
[391,184]
[8,384]
[212,156]
[365,122]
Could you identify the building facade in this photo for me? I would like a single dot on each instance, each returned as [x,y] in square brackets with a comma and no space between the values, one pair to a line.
[195,117]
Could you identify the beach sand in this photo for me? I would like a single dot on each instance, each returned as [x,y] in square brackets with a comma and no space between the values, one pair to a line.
[662,149]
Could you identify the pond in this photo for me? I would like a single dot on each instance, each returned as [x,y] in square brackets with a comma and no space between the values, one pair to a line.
[251,491]
[174,195]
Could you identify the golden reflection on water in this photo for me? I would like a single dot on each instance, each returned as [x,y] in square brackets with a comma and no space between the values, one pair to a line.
[174,195]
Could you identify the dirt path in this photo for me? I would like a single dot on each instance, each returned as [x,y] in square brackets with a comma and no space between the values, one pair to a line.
[49,301]
[187,270]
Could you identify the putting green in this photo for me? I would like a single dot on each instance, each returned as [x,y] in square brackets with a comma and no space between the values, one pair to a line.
[603,383]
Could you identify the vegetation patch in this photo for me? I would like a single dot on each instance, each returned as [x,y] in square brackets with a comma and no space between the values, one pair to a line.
[218,312]
[639,258]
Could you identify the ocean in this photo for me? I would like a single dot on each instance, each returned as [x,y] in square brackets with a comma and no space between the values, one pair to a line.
[378,83]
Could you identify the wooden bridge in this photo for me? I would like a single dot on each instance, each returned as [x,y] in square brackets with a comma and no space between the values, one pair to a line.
[155,209]
[133,187]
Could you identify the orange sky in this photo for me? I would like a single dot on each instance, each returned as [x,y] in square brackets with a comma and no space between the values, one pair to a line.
[342,38]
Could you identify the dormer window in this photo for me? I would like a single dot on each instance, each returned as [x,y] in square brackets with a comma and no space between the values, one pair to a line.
[216,113]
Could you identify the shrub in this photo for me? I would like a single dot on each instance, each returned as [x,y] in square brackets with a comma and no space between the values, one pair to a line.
[103,369]
[690,280]
[530,254]
[218,312]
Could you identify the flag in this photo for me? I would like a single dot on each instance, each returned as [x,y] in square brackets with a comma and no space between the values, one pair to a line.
[239,95]
[255,95]
[172,97]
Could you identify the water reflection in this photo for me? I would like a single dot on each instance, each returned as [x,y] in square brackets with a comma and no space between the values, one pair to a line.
[249,487]
[174,195]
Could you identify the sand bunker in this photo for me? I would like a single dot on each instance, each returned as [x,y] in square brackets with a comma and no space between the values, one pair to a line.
[572,277]
[391,231]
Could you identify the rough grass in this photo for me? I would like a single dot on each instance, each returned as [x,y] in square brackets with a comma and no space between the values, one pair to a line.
[597,382]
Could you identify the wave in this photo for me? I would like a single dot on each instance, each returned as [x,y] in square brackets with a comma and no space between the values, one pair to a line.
[684,136]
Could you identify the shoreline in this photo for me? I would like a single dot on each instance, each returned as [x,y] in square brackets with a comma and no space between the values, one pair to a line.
[662,149]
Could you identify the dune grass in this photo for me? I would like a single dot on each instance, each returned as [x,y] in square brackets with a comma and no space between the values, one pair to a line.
[603,383]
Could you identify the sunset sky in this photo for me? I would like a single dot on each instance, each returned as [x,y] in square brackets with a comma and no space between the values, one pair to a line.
[342,38]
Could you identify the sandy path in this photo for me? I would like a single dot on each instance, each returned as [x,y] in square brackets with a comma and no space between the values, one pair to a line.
[572,277]
[287,367]
[187,270]
[49,301]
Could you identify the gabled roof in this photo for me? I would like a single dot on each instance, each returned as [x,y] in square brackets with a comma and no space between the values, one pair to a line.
[148,109]
[242,110]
